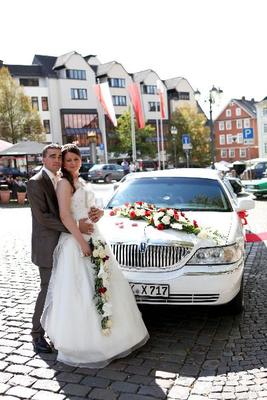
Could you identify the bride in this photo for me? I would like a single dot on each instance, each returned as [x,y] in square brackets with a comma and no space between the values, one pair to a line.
[86,332]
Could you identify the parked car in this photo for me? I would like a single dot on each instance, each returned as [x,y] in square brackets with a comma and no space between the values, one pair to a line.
[171,266]
[256,187]
[85,167]
[255,171]
[105,172]
[10,171]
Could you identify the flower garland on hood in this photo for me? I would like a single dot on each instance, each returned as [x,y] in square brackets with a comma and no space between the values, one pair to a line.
[165,218]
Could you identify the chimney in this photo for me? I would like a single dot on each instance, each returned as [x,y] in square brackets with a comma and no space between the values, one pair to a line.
[243,98]
[252,100]
[1,63]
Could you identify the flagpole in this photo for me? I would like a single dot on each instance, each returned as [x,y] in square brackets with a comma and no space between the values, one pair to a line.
[162,143]
[158,143]
[133,136]
[102,127]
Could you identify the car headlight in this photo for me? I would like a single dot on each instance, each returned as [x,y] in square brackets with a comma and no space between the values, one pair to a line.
[218,255]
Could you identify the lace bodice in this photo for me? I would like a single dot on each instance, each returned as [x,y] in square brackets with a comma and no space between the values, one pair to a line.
[82,199]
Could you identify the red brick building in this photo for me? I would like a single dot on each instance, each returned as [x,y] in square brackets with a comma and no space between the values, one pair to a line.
[228,131]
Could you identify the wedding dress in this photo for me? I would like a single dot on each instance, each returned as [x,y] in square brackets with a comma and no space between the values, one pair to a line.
[70,316]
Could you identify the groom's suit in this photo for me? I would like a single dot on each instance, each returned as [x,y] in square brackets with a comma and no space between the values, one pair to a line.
[46,228]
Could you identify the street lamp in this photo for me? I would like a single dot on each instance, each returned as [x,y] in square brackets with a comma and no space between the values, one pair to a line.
[213,94]
[174,132]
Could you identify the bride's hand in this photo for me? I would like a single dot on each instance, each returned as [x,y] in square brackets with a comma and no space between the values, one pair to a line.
[86,250]
[95,214]
[85,226]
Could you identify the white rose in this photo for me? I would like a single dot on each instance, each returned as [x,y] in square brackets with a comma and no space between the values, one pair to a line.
[102,253]
[107,308]
[159,214]
[95,253]
[166,220]
[106,331]
[203,234]
[170,212]
[177,226]
[109,323]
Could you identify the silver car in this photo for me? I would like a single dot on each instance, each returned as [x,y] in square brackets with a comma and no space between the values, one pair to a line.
[105,172]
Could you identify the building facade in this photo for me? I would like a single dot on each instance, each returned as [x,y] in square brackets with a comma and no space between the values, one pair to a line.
[62,90]
[235,131]
[262,127]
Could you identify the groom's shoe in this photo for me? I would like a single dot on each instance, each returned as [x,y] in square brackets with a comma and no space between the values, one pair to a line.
[40,345]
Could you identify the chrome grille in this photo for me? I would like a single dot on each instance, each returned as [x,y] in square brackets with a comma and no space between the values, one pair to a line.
[180,299]
[154,257]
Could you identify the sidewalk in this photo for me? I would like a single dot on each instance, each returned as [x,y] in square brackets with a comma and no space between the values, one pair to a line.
[193,354]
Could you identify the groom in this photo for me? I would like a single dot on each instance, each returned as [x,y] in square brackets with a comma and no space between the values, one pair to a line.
[46,229]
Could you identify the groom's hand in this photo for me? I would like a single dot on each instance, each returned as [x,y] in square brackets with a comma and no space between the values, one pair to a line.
[85,226]
[95,214]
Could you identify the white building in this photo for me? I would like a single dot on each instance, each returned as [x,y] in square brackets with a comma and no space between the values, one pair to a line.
[148,80]
[261,107]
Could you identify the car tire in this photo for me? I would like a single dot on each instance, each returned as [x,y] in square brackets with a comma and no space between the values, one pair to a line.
[236,306]
[107,179]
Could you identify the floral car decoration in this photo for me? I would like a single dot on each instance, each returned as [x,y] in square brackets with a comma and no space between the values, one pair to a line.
[165,218]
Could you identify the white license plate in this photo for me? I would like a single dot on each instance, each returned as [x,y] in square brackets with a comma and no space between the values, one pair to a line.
[149,290]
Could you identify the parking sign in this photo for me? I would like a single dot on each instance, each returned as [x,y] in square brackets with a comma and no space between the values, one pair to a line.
[248,133]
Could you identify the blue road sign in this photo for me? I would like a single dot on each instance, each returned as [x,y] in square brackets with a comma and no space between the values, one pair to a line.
[248,133]
[101,146]
[186,139]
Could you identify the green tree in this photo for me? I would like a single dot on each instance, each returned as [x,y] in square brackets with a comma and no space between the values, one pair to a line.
[18,121]
[188,121]
[144,144]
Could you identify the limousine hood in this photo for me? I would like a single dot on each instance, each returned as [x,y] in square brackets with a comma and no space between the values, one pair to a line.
[120,229]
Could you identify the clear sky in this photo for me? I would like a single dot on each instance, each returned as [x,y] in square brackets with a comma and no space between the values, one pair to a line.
[220,42]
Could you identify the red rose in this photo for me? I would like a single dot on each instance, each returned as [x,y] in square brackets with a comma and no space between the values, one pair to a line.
[195,224]
[176,215]
[102,290]
[126,204]
[132,214]
[160,227]
[147,213]
[106,258]
[112,213]
[182,214]
[139,203]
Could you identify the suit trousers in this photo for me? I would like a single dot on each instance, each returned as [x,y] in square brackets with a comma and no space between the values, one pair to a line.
[37,329]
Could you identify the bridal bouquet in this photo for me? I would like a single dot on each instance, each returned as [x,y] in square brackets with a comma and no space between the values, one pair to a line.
[100,259]
[165,218]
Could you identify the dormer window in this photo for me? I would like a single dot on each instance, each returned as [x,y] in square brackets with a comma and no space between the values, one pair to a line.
[78,74]
[117,82]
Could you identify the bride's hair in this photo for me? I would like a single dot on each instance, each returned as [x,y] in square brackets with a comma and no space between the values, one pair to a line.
[69,148]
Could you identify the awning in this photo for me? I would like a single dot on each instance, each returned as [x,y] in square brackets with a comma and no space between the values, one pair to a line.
[23,149]
[5,145]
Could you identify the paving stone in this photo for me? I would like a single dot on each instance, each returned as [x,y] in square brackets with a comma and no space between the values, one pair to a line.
[46,384]
[76,389]
[124,387]
[4,388]
[95,382]
[69,377]
[153,391]
[21,380]
[179,392]
[45,373]
[4,377]
[44,395]
[112,375]
[21,391]
[103,394]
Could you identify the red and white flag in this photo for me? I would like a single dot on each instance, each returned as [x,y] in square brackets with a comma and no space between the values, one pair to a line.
[161,92]
[104,96]
[135,95]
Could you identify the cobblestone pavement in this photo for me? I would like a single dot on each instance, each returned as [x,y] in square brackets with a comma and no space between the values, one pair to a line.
[193,353]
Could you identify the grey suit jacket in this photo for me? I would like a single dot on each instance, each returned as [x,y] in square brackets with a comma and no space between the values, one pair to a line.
[46,224]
